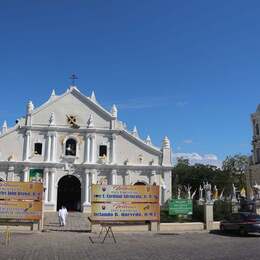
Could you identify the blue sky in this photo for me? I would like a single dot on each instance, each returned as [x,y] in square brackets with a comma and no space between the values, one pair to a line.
[186,69]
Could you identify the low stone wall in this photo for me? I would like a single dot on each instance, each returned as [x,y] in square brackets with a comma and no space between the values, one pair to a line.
[191,226]
[163,227]
[173,227]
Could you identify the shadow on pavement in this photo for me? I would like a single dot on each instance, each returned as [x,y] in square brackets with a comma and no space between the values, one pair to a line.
[231,234]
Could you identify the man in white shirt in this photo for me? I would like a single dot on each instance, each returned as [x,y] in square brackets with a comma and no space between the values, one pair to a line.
[62,215]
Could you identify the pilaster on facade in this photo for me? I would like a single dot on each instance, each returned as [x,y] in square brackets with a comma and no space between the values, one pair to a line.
[10,174]
[113,149]
[46,185]
[114,177]
[86,149]
[87,187]
[93,174]
[26,171]
[53,146]
[51,186]
[27,150]
[48,147]
[93,149]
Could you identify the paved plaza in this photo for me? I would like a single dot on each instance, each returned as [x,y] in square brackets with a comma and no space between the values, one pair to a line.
[76,221]
[73,245]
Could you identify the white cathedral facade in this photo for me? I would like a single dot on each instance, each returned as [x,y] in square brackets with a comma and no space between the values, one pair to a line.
[71,142]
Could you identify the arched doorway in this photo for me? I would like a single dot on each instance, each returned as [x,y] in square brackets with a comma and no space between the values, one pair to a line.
[69,193]
[140,183]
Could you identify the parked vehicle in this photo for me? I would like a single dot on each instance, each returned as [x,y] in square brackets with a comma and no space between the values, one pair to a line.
[243,222]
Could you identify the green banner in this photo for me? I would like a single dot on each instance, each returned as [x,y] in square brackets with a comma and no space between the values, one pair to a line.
[180,207]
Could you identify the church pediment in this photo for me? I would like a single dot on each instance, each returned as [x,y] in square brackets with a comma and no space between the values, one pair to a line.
[72,109]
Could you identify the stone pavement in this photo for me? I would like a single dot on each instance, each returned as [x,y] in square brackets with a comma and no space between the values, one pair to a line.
[76,221]
[134,246]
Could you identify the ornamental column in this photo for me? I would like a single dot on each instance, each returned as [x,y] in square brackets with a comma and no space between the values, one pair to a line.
[87,149]
[113,149]
[48,153]
[94,177]
[10,174]
[114,177]
[87,188]
[53,147]
[27,145]
[93,149]
[46,185]
[51,186]
[26,174]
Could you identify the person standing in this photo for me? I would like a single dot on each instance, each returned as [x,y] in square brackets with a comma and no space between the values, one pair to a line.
[62,215]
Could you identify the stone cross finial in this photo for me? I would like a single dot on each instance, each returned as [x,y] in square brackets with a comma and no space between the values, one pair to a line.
[114,111]
[73,78]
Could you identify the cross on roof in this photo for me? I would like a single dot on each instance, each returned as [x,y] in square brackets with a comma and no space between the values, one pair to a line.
[73,78]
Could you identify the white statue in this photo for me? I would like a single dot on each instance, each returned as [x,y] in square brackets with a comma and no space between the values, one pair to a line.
[201,193]
[234,196]
[52,119]
[193,194]
[256,189]
[207,188]
[178,193]
[188,191]
[90,122]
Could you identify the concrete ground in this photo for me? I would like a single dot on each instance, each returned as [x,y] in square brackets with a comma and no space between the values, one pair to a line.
[152,246]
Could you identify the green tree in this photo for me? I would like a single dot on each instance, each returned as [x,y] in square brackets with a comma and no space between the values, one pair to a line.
[237,166]
[195,175]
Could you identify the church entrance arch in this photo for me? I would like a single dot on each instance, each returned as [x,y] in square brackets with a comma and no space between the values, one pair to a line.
[140,183]
[69,193]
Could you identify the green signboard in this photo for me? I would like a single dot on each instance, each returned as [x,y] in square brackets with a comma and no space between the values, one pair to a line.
[180,207]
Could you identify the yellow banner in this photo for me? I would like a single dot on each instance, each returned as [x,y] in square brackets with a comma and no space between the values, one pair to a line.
[13,190]
[125,212]
[20,210]
[125,193]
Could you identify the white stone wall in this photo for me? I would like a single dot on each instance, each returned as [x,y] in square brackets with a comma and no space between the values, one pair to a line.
[127,149]
[12,143]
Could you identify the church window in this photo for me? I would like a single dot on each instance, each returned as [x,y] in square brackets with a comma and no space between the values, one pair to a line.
[70,147]
[257,129]
[102,150]
[38,148]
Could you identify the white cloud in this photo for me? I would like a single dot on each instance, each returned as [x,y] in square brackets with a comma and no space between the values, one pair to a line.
[194,158]
[146,102]
[188,141]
